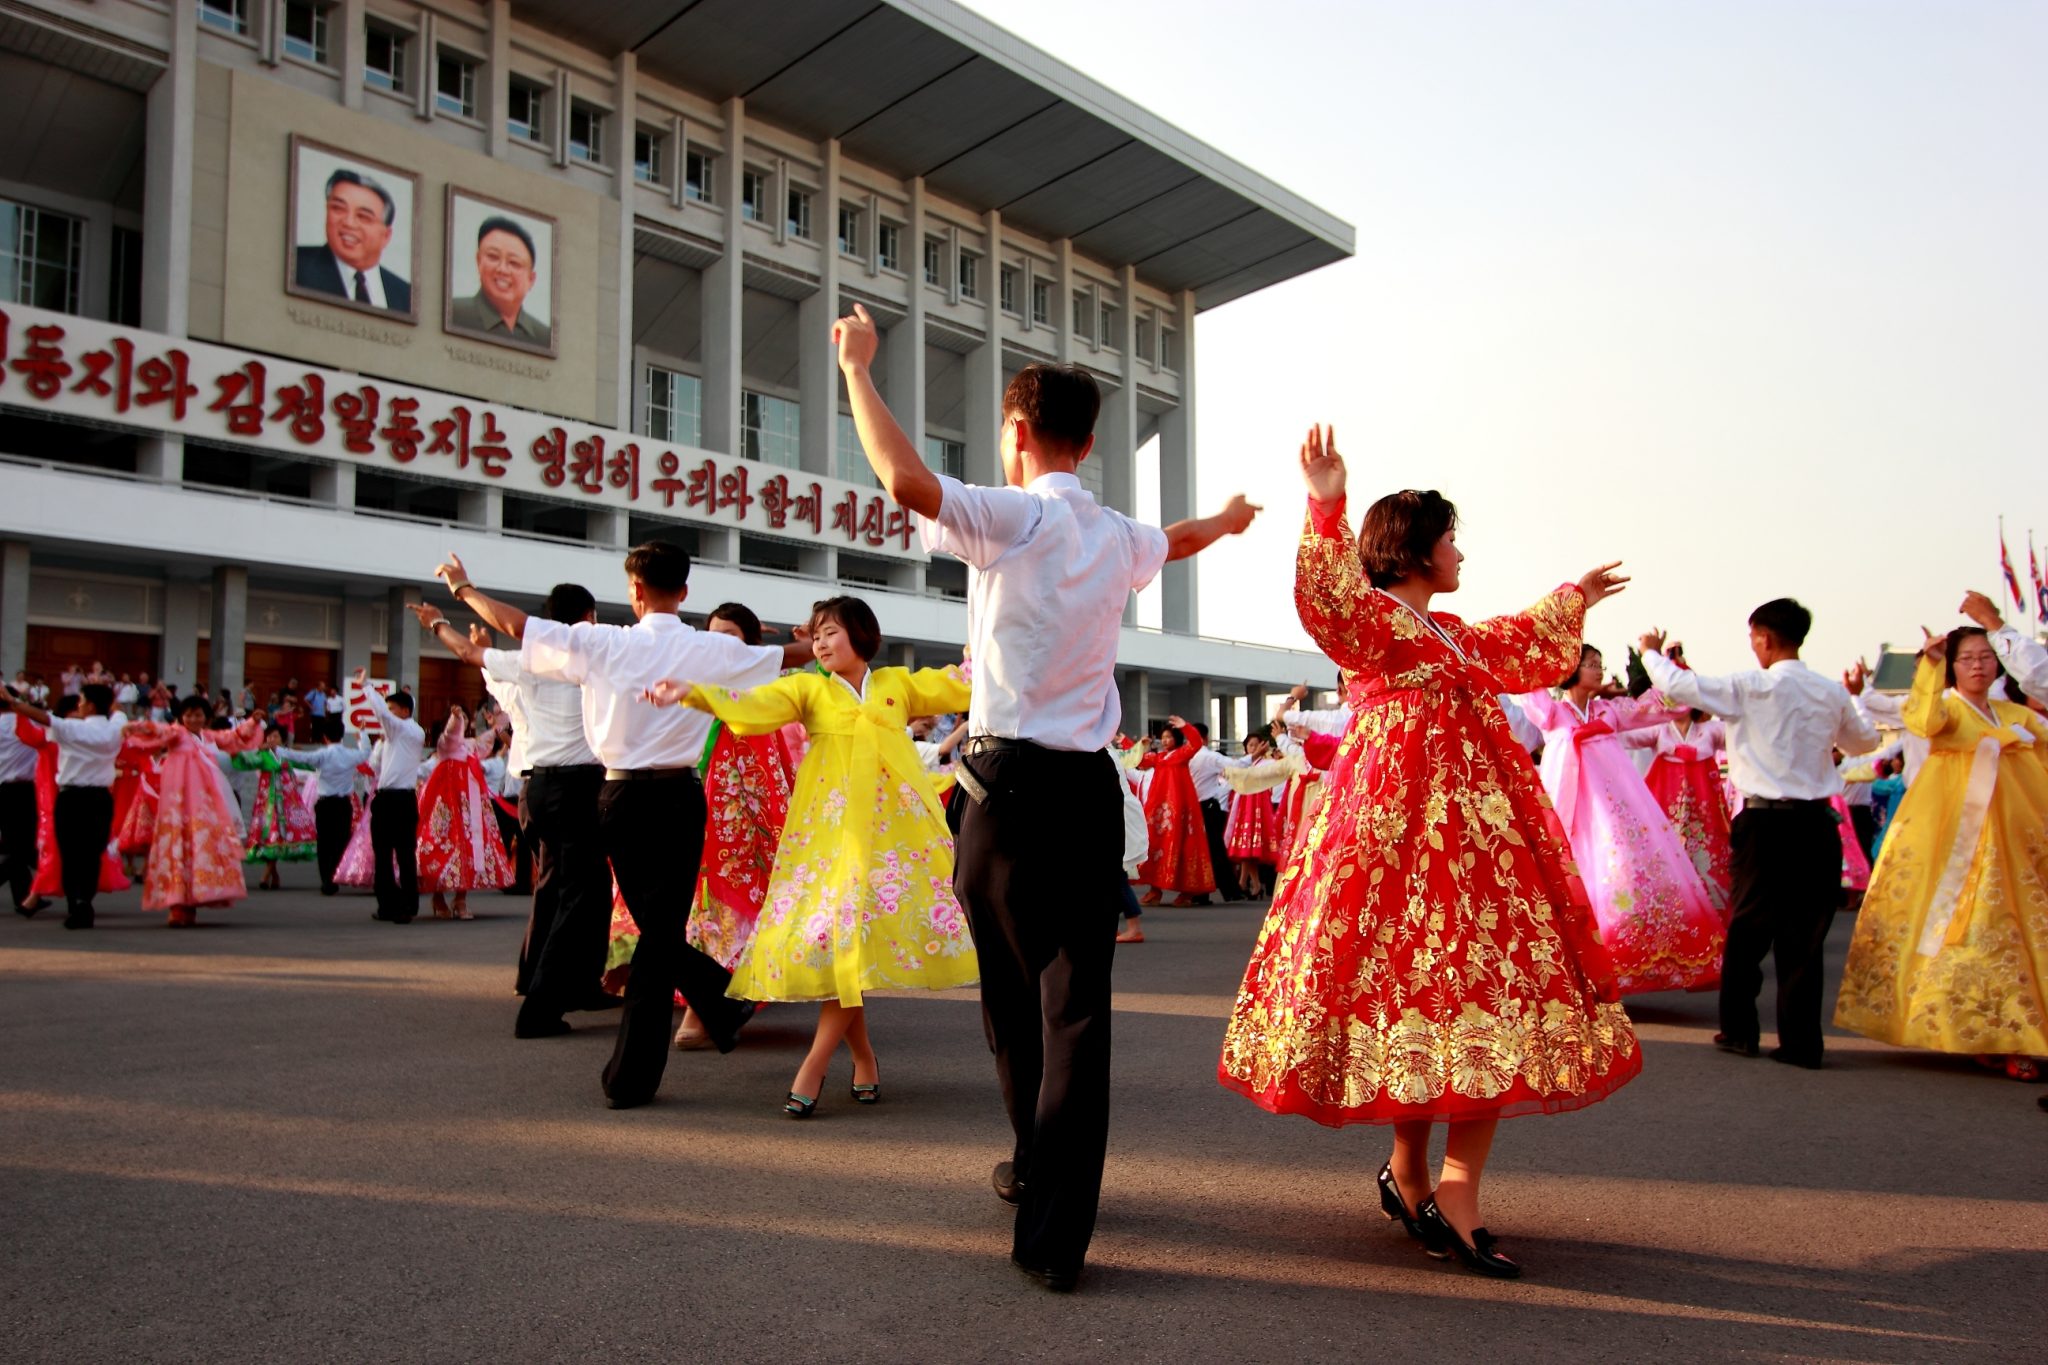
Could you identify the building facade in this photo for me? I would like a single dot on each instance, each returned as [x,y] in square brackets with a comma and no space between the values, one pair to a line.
[298,296]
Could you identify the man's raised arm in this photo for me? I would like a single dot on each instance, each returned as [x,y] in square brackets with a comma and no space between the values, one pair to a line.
[892,454]
[502,617]
[1197,534]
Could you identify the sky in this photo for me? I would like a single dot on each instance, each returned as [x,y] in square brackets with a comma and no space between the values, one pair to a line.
[1749,295]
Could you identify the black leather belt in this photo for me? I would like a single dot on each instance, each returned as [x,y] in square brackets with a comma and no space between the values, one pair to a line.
[569,768]
[1779,803]
[647,774]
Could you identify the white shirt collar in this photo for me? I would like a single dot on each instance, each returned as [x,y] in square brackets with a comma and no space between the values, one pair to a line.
[1046,483]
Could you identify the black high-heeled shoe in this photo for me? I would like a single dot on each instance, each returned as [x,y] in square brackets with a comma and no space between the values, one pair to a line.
[1396,1210]
[800,1106]
[867,1094]
[1478,1255]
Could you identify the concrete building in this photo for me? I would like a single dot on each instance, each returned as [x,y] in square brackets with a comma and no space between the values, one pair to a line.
[299,296]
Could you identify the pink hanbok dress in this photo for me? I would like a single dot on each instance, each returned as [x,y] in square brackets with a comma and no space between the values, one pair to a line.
[195,840]
[1685,777]
[459,848]
[1855,862]
[1657,918]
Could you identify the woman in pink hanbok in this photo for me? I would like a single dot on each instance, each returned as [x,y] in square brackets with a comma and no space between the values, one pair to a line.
[1685,777]
[358,865]
[194,826]
[459,849]
[1657,919]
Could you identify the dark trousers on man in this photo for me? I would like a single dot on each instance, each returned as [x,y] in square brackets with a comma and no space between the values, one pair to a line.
[18,837]
[84,818]
[1863,819]
[652,828]
[1215,819]
[1039,874]
[333,823]
[394,844]
[1786,866]
[570,930]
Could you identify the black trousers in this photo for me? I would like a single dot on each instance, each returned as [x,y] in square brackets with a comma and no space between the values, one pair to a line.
[394,843]
[570,931]
[1786,866]
[84,818]
[1215,820]
[653,833]
[1864,820]
[18,836]
[1039,874]
[332,825]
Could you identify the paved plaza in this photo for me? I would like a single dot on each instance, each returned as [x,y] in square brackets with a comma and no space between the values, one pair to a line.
[293,1134]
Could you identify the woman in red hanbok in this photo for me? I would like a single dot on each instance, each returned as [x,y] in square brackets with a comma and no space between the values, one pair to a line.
[49,879]
[459,849]
[1685,777]
[1252,835]
[1179,855]
[1430,955]
[194,828]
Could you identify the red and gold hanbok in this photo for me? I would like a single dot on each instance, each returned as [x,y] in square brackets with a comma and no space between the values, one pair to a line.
[1430,953]
[1178,843]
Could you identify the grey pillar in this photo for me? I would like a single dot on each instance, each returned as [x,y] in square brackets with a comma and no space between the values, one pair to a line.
[606,528]
[346,22]
[14,568]
[1226,716]
[228,640]
[483,508]
[1177,481]
[900,654]
[1062,310]
[177,660]
[906,339]
[1116,439]
[1255,714]
[401,636]
[626,84]
[724,294]
[1134,687]
[817,365]
[167,213]
[334,485]
[498,84]
[358,634]
[985,370]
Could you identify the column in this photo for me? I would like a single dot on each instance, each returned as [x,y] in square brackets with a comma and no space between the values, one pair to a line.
[167,214]
[1134,688]
[358,633]
[14,566]
[817,365]
[899,654]
[1062,310]
[482,508]
[334,485]
[906,339]
[1177,480]
[1191,701]
[724,291]
[1116,434]
[1226,715]
[345,21]
[1255,713]
[229,637]
[626,98]
[498,77]
[606,528]
[401,636]
[177,661]
[985,370]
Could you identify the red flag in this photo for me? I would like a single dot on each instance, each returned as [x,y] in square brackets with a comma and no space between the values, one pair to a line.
[2012,580]
[2040,583]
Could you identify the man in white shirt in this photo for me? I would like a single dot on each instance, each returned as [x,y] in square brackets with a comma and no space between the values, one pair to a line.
[334,767]
[651,807]
[1049,574]
[568,932]
[395,809]
[1784,723]
[87,742]
[1206,769]
[17,810]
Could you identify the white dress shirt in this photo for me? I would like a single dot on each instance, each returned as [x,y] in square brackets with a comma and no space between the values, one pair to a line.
[1206,768]
[547,716]
[17,760]
[86,749]
[1883,708]
[1783,724]
[1049,572]
[398,753]
[373,280]
[333,766]
[613,665]
[1323,722]
[2026,660]
[1527,732]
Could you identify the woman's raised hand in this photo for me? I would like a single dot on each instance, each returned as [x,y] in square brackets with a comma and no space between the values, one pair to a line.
[1322,468]
[668,692]
[1934,647]
[1602,583]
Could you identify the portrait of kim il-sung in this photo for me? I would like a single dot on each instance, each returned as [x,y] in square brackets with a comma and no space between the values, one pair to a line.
[500,273]
[354,231]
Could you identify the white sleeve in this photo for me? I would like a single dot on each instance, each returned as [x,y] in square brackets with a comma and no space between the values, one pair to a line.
[977,524]
[1527,733]
[730,662]
[1881,706]
[2026,660]
[1718,696]
[566,653]
[1148,551]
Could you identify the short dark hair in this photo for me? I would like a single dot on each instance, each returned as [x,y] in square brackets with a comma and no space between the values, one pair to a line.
[662,565]
[100,695]
[271,727]
[567,603]
[1955,639]
[498,222]
[742,616]
[856,618]
[345,176]
[1784,618]
[331,728]
[198,701]
[1400,534]
[400,699]
[1201,728]
[1060,401]
[1586,652]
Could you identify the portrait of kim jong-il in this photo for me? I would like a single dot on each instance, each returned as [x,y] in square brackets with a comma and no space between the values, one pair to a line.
[501,273]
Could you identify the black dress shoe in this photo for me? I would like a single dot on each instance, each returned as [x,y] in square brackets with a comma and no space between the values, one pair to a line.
[1779,1054]
[728,1041]
[329,889]
[628,1099]
[1009,1188]
[78,917]
[1740,1049]
[598,1001]
[1058,1281]
[1478,1255]
[27,910]
[1396,1210]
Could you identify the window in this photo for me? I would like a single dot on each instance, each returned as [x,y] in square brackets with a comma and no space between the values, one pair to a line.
[1144,342]
[384,58]
[1007,289]
[889,246]
[675,406]
[1107,331]
[1169,348]
[849,231]
[945,455]
[305,32]
[647,156]
[229,16]
[1041,302]
[526,116]
[586,134]
[754,195]
[799,217]
[42,257]
[768,429]
[124,288]
[697,171]
[849,461]
[934,261]
[1084,314]
[455,85]
[970,275]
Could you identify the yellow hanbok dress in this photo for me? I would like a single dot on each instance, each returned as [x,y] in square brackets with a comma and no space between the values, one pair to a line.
[1951,945]
[861,896]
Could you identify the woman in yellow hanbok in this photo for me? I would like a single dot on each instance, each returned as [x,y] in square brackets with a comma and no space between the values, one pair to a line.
[861,896]
[1951,946]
